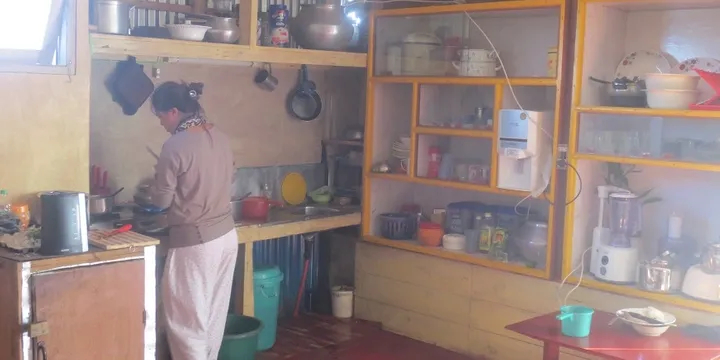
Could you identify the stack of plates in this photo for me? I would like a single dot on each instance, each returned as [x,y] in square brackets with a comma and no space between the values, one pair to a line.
[401,150]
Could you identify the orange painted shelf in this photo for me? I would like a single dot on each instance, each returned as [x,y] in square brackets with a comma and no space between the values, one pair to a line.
[475,259]
[444,131]
[650,162]
[448,184]
[458,80]
[630,290]
[609,110]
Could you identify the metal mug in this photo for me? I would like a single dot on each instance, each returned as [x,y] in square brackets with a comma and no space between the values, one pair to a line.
[711,259]
[112,17]
[265,80]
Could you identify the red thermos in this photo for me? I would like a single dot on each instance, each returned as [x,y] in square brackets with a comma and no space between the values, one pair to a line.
[434,158]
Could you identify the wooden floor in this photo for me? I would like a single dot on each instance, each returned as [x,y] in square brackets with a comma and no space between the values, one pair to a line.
[313,337]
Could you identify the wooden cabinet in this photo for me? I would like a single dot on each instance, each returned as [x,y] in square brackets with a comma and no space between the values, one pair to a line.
[430,89]
[94,305]
[672,152]
[93,312]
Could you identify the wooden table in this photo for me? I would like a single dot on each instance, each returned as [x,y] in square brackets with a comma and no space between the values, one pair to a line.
[618,341]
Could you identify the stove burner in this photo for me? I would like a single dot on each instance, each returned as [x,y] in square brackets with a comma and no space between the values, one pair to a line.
[104,217]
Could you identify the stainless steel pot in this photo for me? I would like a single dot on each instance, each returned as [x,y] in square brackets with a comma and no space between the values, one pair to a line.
[711,259]
[112,17]
[658,275]
[102,204]
[224,30]
[142,196]
[322,27]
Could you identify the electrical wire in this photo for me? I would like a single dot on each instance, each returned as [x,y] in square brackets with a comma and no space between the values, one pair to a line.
[582,272]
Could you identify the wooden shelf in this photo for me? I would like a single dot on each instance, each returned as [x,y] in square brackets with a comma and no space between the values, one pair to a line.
[457,80]
[104,45]
[444,131]
[475,259]
[650,162]
[609,110]
[448,184]
[631,290]
[354,143]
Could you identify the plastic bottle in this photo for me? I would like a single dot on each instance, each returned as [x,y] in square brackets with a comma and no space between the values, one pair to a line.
[486,225]
[5,205]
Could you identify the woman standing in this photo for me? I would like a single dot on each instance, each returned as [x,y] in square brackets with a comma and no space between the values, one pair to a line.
[193,180]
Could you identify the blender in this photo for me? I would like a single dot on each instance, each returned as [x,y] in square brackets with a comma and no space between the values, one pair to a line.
[618,256]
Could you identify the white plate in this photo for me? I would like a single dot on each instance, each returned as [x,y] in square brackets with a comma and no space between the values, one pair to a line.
[707,64]
[638,63]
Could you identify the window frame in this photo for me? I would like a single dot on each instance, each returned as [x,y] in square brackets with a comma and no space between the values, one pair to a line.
[21,61]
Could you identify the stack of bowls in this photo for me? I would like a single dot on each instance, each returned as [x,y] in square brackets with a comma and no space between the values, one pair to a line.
[672,91]
[401,151]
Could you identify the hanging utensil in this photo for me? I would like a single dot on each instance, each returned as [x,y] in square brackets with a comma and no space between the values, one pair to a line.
[265,80]
[304,102]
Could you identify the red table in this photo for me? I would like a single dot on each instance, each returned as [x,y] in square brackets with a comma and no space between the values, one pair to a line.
[618,341]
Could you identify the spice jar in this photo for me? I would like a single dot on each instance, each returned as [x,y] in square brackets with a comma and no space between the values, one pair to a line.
[22,211]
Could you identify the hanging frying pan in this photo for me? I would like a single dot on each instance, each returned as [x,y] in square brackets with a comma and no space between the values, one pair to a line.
[304,102]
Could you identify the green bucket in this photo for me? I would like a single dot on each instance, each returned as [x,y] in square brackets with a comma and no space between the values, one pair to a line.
[240,341]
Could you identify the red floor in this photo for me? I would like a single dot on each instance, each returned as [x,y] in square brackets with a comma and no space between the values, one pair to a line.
[314,337]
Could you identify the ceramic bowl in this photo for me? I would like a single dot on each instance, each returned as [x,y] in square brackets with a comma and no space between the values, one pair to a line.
[672,99]
[671,81]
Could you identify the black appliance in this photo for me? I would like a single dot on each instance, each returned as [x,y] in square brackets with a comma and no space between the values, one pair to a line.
[65,221]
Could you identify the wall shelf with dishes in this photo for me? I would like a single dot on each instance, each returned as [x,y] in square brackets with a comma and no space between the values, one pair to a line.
[646,153]
[439,127]
[176,31]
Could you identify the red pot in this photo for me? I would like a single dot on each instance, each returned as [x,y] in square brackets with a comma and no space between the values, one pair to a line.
[257,207]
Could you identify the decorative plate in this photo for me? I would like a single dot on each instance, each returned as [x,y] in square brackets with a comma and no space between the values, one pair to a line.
[639,63]
[707,64]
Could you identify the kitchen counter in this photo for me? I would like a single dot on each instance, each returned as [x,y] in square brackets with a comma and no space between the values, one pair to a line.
[298,220]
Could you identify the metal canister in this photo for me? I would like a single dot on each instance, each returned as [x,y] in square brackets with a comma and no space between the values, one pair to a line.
[278,16]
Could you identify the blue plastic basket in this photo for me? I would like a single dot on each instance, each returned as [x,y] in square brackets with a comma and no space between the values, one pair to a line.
[575,320]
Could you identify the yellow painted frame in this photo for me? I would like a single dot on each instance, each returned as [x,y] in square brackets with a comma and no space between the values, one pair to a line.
[499,91]
[574,157]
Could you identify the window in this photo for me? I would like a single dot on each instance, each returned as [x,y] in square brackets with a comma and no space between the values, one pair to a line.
[37,36]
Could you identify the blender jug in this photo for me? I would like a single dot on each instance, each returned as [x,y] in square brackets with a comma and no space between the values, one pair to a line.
[625,219]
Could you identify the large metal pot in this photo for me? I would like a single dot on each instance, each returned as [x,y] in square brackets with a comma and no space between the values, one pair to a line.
[224,30]
[112,17]
[322,27]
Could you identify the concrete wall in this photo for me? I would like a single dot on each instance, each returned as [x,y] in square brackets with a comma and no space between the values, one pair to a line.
[465,307]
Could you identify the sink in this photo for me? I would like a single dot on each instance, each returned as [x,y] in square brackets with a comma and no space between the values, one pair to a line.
[313,210]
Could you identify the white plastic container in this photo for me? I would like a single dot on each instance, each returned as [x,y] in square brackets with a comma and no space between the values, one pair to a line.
[342,301]
[658,81]
[672,99]
[455,242]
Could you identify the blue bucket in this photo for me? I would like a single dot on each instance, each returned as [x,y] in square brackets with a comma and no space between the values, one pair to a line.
[575,320]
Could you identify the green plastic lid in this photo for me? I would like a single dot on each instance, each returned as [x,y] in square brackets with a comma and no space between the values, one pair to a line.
[266,273]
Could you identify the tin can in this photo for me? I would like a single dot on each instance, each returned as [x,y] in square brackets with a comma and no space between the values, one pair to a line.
[552,59]
[278,24]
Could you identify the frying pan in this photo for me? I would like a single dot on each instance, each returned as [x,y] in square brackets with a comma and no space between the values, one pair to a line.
[304,102]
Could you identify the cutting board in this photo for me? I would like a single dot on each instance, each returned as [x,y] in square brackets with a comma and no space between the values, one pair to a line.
[120,241]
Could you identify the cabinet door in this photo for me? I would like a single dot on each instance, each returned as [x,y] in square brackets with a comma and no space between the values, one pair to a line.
[94,312]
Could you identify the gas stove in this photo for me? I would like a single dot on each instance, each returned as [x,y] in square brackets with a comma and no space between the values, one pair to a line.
[145,222]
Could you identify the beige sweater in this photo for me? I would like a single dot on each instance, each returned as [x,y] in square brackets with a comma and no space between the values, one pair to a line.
[193,180]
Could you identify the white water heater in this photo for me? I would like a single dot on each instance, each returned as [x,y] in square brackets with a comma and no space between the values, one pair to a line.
[525,151]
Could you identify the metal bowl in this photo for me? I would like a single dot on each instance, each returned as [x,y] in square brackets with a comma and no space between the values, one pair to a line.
[322,27]
[223,36]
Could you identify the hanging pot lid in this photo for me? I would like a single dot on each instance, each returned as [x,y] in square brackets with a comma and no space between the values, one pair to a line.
[422,39]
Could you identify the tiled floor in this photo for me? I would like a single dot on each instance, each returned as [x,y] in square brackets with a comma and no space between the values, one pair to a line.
[314,337]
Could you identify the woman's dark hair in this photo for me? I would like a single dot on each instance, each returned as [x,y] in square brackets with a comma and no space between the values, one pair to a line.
[182,96]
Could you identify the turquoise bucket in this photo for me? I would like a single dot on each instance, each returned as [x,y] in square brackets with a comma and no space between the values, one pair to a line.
[267,282]
[575,320]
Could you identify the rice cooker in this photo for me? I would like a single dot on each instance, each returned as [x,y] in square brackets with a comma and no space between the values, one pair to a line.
[418,52]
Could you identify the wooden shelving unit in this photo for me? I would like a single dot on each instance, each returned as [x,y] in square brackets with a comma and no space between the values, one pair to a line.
[477,259]
[441,80]
[400,105]
[683,185]
[669,113]
[104,45]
